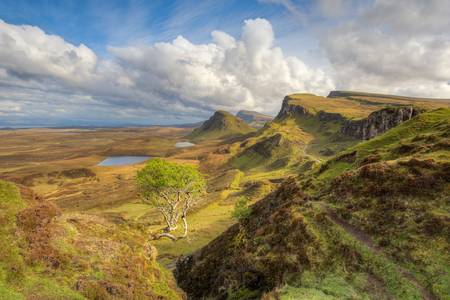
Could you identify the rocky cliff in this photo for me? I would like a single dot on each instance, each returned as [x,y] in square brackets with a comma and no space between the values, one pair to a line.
[290,109]
[378,122]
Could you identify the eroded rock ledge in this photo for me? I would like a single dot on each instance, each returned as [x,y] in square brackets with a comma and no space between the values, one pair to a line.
[378,122]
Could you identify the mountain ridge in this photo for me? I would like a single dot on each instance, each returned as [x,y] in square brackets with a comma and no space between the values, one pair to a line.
[221,124]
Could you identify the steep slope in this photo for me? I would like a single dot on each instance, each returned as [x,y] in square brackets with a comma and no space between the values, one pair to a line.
[305,131]
[254,118]
[45,254]
[379,121]
[221,125]
[296,244]
[317,127]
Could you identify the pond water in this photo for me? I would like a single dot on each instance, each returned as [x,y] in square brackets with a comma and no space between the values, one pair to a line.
[184,144]
[122,160]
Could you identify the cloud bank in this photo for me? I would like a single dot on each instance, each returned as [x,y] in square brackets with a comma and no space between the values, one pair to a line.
[177,79]
[399,47]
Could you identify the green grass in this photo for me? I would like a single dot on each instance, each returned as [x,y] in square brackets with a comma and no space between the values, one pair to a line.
[347,108]
[432,125]
[331,286]
[16,278]
[204,225]
[76,242]
[426,124]
[132,210]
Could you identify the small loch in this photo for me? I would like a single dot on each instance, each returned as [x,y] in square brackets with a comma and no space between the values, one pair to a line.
[184,144]
[122,160]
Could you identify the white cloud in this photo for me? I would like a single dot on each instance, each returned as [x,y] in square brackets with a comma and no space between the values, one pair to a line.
[249,73]
[28,51]
[175,79]
[394,46]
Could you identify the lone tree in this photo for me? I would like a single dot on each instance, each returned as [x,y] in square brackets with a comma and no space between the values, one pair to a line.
[172,189]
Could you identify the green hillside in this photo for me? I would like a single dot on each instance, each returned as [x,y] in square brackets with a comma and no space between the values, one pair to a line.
[221,125]
[370,223]
[46,255]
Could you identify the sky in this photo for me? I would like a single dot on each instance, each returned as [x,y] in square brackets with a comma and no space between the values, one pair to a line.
[112,63]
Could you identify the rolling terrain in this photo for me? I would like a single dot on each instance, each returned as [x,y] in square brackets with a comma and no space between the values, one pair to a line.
[349,198]
[370,222]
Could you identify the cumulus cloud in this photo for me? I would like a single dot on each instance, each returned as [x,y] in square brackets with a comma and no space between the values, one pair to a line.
[29,52]
[249,73]
[177,79]
[394,46]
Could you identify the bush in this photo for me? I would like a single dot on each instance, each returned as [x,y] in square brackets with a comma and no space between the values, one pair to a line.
[241,209]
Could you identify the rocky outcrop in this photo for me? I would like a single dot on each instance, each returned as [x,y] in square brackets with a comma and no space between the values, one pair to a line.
[330,117]
[267,146]
[289,109]
[378,122]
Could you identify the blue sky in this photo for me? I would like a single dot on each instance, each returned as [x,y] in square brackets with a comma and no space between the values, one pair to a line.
[161,62]
[98,24]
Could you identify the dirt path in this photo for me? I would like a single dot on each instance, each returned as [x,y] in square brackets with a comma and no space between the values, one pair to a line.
[368,242]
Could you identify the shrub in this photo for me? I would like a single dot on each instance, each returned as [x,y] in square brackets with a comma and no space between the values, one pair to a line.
[241,209]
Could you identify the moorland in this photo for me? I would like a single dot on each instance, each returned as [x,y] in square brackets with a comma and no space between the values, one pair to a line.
[348,198]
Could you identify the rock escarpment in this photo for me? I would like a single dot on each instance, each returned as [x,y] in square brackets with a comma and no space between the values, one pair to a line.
[378,122]
[288,109]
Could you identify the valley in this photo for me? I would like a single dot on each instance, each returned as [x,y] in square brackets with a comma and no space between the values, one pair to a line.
[348,198]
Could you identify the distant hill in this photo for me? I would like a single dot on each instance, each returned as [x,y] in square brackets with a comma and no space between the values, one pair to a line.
[254,118]
[221,125]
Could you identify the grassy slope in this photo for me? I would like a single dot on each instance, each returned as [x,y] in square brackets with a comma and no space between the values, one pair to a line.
[306,139]
[393,187]
[17,279]
[382,99]
[45,256]
[419,134]
[285,240]
[310,138]
[396,187]
[347,108]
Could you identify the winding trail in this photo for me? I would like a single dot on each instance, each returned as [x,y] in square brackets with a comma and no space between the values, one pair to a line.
[368,242]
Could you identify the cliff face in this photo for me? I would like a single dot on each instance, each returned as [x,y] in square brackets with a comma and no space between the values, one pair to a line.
[288,109]
[378,122]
